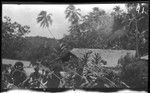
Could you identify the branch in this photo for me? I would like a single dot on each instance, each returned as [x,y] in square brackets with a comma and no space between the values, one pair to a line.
[140,18]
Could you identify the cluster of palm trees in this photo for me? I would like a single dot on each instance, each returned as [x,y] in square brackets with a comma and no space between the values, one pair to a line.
[45,19]
[74,17]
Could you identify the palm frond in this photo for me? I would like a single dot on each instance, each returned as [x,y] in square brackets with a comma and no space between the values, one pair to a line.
[71,7]
[42,24]
[67,11]
[46,22]
[44,19]
[49,19]
[68,14]
[39,19]
[42,13]
[71,19]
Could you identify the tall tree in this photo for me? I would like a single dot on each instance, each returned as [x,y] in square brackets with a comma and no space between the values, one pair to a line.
[96,14]
[137,12]
[92,20]
[91,28]
[129,27]
[45,20]
[118,29]
[74,17]
[72,14]
[84,32]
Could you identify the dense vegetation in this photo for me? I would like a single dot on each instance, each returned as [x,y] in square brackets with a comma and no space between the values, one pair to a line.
[124,30]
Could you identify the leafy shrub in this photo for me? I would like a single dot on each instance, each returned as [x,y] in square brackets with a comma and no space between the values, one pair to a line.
[134,71]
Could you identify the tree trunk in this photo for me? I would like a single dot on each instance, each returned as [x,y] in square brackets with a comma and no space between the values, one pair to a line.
[53,36]
[137,40]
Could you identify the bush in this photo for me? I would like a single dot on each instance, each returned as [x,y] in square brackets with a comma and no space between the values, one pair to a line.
[134,72]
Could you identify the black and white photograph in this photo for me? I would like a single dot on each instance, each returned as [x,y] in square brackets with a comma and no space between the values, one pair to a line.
[75,46]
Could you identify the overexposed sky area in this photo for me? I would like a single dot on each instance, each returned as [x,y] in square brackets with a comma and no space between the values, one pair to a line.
[26,14]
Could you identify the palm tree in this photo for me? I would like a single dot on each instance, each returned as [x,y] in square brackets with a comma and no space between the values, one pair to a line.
[117,10]
[93,20]
[96,15]
[72,14]
[45,20]
[98,11]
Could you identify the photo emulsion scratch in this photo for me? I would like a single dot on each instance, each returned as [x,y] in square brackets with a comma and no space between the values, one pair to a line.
[75,48]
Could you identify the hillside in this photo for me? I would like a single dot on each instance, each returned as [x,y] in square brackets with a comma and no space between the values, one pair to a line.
[40,41]
[31,48]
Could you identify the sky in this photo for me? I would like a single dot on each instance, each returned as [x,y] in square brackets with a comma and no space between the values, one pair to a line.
[26,14]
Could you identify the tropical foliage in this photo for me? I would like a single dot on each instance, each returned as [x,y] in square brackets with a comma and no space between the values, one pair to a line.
[133,71]
[12,38]
[121,29]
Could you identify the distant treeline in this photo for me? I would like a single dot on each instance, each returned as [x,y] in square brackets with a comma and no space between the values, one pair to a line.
[29,48]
